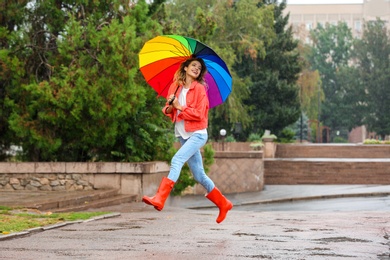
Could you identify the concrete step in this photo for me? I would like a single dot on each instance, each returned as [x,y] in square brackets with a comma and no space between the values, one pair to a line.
[115,200]
[87,199]
[332,151]
[286,171]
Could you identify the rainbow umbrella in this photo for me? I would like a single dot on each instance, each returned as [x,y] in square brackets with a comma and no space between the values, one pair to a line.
[161,57]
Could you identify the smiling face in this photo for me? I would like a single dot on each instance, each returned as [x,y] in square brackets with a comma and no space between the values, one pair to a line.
[190,70]
[194,69]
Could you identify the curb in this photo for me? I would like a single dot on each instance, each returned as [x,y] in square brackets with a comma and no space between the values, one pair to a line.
[314,197]
[58,225]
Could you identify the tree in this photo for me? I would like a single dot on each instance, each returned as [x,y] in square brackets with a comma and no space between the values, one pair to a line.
[330,54]
[11,68]
[225,27]
[81,96]
[245,28]
[301,128]
[311,94]
[372,59]
[273,102]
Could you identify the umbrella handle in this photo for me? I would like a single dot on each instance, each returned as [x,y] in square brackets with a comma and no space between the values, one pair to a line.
[170,102]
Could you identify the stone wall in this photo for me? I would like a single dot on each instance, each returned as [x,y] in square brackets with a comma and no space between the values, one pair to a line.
[45,182]
[235,172]
[232,172]
[128,178]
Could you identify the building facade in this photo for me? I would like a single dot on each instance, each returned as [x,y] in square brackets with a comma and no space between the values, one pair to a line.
[304,17]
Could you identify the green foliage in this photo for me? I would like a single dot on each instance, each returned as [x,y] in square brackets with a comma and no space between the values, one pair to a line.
[81,96]
[227,27]
[16,220]
[4,209]
[310,93]
[230,139]
[330,54]
[339,139]
[254,137]
[287,135]
[273,103]
[256,141]
[372,141]
[354,95]
[71,89]
[208,157]
[301,125]
[372,56]
[12,16]
[257,145]
[185,180]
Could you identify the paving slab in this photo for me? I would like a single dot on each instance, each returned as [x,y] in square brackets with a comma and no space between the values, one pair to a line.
[141,232]
[270,194]
[283,193]
[178,232]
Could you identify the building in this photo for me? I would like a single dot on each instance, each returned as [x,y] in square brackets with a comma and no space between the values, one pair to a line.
[304,17]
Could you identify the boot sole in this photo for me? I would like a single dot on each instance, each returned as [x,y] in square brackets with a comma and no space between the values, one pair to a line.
[150,203]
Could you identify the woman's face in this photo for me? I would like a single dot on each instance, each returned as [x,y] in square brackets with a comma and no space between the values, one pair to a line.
[193,70]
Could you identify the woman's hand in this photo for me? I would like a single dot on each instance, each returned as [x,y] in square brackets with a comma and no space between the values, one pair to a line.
[176,104]
[170,99]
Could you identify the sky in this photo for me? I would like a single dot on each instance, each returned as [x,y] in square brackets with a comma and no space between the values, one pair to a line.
[324,2]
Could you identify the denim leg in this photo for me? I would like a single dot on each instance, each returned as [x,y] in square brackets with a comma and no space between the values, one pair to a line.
[190,152]
[196,165]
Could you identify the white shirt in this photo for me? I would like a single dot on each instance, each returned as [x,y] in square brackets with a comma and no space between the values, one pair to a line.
[179,125]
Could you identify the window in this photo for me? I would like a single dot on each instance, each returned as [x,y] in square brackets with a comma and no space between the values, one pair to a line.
[358,26]
[309,26]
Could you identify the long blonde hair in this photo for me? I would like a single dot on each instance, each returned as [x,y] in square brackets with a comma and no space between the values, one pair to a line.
[180,75]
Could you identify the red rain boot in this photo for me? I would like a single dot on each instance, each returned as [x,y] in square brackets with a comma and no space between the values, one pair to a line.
[222,203]
[162,194]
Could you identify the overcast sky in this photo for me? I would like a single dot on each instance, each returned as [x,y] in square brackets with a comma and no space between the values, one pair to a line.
[324,2]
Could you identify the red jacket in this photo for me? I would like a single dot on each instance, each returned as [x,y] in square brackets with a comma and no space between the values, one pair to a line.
[195,113]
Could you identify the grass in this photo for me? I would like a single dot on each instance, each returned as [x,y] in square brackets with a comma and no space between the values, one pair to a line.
[14,220]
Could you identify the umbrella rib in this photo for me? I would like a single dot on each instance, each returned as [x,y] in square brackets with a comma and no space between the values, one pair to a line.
[181,51]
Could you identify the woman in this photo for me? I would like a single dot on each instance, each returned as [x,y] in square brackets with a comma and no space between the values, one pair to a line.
[188,105]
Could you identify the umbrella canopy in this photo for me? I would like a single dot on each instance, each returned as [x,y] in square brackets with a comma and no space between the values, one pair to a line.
[161,57]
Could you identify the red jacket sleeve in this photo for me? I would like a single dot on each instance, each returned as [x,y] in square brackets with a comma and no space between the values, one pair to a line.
[172,90]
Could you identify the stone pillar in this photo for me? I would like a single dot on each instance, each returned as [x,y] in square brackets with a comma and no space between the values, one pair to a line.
[269,147]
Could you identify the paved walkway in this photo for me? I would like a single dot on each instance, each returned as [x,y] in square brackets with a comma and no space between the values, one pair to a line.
[283,193]
[140,232]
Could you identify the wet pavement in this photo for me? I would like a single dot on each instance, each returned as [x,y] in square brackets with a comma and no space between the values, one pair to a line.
[140,232]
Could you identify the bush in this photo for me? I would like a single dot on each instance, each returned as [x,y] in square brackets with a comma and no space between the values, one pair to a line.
[254,138]
[339,139]
[230,139]
[374,141]
[286,136]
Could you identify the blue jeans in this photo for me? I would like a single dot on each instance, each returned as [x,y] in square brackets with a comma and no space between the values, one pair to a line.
[190,152]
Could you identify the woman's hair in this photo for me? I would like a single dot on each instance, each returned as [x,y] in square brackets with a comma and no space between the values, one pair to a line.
[180,75]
